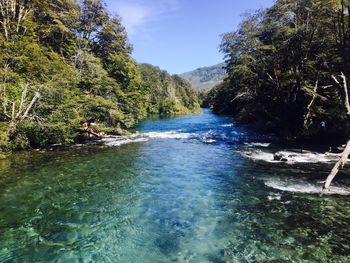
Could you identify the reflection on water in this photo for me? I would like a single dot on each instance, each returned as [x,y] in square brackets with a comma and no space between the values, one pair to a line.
[168,198]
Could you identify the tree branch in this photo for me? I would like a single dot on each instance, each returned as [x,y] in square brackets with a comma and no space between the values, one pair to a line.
[36,96]
[23,98]
[308,119]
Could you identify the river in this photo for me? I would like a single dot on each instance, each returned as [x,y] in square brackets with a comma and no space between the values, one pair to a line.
[184,192]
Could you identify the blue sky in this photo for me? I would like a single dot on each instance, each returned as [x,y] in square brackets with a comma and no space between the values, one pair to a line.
[180,35]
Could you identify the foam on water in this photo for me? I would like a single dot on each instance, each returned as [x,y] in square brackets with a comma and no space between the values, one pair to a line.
[168,135]
[209,141]
[257,144]
[259,155]
[305,187]
[294,157]
[274,197]
[143,137]
[309,157]
[115,141]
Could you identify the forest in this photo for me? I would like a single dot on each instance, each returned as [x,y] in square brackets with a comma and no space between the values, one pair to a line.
[64,62]
[288,68]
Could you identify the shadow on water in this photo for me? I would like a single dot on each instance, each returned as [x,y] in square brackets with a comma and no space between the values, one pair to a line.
[185,194]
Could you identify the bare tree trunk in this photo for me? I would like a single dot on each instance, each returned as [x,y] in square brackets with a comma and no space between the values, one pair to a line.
[345,86]
[345,155]
[3,92]
[36,96]
[340,164]
[308,119]
[16,116]
[347,103]
[13,110]
[23,98]
[5,11]
[12,15]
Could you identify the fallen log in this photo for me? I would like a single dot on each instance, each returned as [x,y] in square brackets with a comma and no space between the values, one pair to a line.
[91,132]
[345,155]
[340,164]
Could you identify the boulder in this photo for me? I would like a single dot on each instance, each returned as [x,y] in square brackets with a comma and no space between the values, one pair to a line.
[282,157]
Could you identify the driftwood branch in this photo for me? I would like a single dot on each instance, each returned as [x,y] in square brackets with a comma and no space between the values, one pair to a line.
[90,131]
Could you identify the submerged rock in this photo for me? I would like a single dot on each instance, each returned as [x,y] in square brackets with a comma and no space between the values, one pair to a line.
[283,157]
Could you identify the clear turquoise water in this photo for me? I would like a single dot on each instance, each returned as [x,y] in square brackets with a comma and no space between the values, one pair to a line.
[167,200]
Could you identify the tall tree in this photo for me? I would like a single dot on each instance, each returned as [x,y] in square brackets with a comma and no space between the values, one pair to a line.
[93,16]
[112,38]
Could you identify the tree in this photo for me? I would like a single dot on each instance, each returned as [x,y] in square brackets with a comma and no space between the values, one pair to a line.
[343,34]
[345,155]
[78,58]
[112,38]
[55,23]
[93,17]
[274,60]
[12,16]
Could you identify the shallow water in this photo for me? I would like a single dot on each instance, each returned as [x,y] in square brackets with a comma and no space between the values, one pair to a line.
[183,192]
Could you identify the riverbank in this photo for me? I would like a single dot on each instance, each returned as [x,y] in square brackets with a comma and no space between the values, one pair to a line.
[322,140]
[91,134]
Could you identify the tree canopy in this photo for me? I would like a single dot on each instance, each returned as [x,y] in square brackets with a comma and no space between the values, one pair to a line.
[281,59]
[65,62]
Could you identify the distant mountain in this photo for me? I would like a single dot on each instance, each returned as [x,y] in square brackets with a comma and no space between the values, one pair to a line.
[204,79]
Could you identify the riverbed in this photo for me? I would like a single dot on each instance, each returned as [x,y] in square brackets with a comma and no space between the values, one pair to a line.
[182,192]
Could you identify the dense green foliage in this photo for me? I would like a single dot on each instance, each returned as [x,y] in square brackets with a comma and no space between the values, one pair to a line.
[168,94]
[63,63]
[282,59]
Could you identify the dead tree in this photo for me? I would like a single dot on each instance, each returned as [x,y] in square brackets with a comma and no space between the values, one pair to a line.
[308,119]
[345,155]
[346,92]
[3,86]
[12,15]
[340,164]
[17,113]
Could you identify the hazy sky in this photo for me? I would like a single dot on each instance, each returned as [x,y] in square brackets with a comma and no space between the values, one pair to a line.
[180,35]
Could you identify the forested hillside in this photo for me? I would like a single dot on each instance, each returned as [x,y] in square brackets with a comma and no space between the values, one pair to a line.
[168,94]
[64,62]
[285,66]
[204,79]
